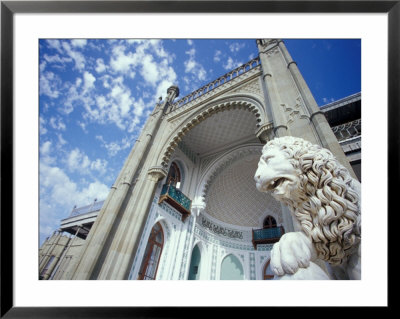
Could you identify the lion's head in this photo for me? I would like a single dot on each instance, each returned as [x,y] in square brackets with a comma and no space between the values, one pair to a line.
[318,190]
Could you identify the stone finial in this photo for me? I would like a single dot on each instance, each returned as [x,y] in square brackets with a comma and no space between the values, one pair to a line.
[173,92]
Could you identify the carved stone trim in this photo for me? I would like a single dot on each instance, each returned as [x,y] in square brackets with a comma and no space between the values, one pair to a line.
[265,132]
[157,173]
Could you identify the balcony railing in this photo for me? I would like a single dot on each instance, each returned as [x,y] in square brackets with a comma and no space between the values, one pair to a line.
[95,206]
[266,235]
[216,83]
[174,197]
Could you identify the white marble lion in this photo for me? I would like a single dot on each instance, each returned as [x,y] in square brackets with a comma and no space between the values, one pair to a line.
[325,202]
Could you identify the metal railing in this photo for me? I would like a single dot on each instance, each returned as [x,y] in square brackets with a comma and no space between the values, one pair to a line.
[267,235]
[95,206]
[216,83]
[347,130]
[175,198]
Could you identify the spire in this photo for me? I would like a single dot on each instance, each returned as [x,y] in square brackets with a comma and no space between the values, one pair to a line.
[173,92]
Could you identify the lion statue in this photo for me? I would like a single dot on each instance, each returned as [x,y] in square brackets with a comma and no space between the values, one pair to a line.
[325,202]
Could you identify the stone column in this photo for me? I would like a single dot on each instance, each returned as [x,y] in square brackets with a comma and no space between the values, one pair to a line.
[52,243]
[106,225]
[197,208]
[57,265]
[280,127]
[326,137]
[124,247]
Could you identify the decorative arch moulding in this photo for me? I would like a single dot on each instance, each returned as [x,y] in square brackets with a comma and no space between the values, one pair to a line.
[198,118]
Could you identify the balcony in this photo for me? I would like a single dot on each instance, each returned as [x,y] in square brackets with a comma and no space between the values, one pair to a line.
[266,235]
[174,197]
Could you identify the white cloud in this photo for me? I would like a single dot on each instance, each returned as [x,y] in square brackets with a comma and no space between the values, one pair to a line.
[42,128]
[61,140]
[56,59]
[78,57]
[45,153]
[194,67]
[57,123]
[80,43]
[217,56]
[88,81]
[150,70]
[231,64]
[236,47]
[100,66]
[99,165]
[49,84]
[115,147]
[77,161]
[54,44]
[121,62]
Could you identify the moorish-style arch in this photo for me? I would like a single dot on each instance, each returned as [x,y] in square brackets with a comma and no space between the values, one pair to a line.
[231,268]
[173,140]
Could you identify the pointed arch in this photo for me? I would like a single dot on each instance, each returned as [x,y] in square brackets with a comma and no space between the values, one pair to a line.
[195,263]
[231,268]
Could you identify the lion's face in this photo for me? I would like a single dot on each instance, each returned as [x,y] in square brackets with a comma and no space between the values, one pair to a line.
[317,189]
[275,173]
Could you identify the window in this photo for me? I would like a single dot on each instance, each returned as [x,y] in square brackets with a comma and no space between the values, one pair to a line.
[151,258]
[269,222]
[194,271]
[174,175]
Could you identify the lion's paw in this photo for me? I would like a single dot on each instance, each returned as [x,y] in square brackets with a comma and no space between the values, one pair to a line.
[293,251]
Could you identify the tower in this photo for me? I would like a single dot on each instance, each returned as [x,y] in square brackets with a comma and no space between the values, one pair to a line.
[184,204]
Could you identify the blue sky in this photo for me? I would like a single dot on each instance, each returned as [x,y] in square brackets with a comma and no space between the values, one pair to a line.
[95,95]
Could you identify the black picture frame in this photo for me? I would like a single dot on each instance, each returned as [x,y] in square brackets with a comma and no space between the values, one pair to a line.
[9,8]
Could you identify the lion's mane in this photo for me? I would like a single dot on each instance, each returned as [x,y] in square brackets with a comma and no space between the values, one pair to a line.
[329,212]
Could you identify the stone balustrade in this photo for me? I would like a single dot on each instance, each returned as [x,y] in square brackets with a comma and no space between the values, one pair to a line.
[216,83]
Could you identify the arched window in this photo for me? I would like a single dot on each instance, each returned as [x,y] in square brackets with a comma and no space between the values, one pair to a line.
[231,268]
[269,222]
[268,273]
[151,258]
[194,269]
[174,175]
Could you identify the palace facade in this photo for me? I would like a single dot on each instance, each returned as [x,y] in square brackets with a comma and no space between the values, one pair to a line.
[185,205]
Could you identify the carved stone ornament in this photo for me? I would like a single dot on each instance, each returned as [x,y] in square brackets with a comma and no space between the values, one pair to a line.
[265,132]
[325,202]
[156,173]
[293,112]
